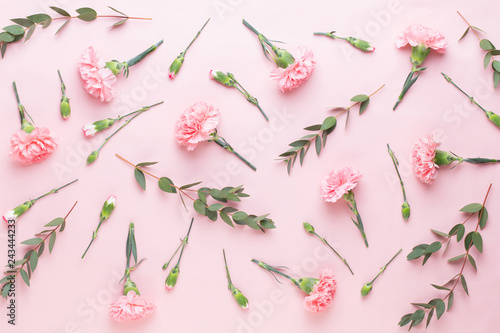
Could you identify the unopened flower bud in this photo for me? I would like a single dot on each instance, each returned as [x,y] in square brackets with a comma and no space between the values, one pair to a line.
[90,130]
[92,157]
[65,107]
[18,211]
[309,228]
[108,208]
[239,297]
[361,44]
[493,117]
[283,58]
[176,66]
[405,209]
[221,77]
[172,278]
[365,290]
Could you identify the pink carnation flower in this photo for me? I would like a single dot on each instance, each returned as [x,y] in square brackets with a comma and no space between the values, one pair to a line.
[33,147]
[130,307]
[97,79]
[418,34]
[338,183]
[424,167]
[322,294]
[196,124]
[297,73]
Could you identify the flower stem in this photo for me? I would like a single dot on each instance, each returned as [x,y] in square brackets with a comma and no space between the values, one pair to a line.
[249,97]
[55,190]
[229,282]
[223,143]
[384,267]
[338,255]
[396,163]
[142,55]
[273,270]
[184,242]
[63,86]
[144,109]
[195,37]
[329,34]
[471,98]
[351,203]
[473,30]
[410,80]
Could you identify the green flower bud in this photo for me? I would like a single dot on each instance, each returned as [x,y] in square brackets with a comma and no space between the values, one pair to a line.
[130,285]
[176,65]
[221,77]
[405,209]
[361,44]
[239,297]
[108,208]
[493,117]
[309,228]
[114,66]
[172,278]
[283,58]
[366,289]
[418,54]
[306,284]
[65,108]
[92,157]
[445,158]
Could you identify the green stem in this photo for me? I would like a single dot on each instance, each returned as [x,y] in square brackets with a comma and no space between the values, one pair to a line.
[480,160]
[329,34]
[55,190]
[199,32]
[395,162]
[338,255]
[94,236]
[144,109]
[128,114]
[463,92]
[351,203]
[272,269]
[185,241]
[20,107]
[229,282]
[63,86]
[223,143]
[141,56]
[383,268]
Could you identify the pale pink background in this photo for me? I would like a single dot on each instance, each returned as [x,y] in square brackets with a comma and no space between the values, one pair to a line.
[68,294]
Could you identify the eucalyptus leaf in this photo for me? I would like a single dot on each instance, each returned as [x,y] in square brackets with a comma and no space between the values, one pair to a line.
[25,277]
[60,11]
[472,262]
[145,164]
[464,284]
[313,128]
[39,18]
[496,65]
[6,37]
[86,14]
[33,260]
[140,178]
[30,33]
[483,218]
[471,208]
[23,21]
[166,185]
[62,26]
[360,98]
[465,34]
[226,218]
[487,59]
[199,206]
[486,45]
[32,241]
[363,106]
[317,144]
[478,241]
[496,78]
[52,241]
[14,29]
[55,222]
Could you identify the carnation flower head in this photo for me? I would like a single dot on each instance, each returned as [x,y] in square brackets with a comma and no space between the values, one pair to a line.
[29,148]
[417,34]
[196,124]
[322,295]
[423,159]
[338,183]
[97,79]
[130,307]
[297,73]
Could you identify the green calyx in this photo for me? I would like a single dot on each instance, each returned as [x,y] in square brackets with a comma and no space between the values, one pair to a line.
[27,126]
[283,58]
[222,78]
[309,228]
[23,208]
[115,66]
[92,157]
[405,210]
[365,290]
[176,66]
[360,44]
[445,158]
[65,107]
[171,280]
[306,284]
[239,297]
[418,54]
[129,286]
[493,117]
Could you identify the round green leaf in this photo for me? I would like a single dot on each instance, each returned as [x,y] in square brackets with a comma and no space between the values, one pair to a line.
[14,29]
[86,14]
[359,98]
[496,65]
[166,185]
[486,45]
[328,123]
[6,37]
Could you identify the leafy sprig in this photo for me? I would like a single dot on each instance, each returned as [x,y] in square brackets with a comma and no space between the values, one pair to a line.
[212,210]
[26,266]
[25,27]
[299,148]
[491,50]
[473,238]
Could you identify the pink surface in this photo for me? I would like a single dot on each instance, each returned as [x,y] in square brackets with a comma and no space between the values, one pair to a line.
[68,294]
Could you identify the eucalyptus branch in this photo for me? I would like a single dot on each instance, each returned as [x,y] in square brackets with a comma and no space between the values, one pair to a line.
[472,239]
[200,203]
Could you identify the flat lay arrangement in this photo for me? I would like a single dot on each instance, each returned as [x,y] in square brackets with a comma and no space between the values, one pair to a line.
[160,192]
